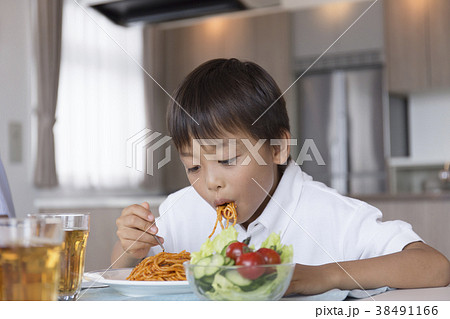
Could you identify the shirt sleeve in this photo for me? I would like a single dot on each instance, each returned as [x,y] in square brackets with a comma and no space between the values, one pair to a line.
[368,236]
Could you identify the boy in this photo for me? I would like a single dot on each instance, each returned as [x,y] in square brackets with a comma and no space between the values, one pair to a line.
[223,124]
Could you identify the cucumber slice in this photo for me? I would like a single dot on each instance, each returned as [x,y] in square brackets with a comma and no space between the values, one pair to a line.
[235,277]
[216,262]
[208,280]
[222,283]
[202,285]
[261,281]
[229,261]
[199,272]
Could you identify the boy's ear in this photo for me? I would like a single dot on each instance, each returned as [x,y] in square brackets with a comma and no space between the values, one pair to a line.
[282,149]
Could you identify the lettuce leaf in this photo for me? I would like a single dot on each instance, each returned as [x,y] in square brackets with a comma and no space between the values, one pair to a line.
[226,236]
[274,242]
[210,247]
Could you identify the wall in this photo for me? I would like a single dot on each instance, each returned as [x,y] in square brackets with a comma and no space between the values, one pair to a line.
[15,97]
[429,130]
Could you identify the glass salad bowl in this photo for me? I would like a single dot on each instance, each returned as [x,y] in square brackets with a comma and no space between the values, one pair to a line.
[210,282]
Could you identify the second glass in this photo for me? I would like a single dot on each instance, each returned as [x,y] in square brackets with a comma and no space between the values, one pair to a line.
[76,232]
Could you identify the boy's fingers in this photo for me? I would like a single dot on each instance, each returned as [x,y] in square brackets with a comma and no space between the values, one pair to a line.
[136,222]
[137,235]
[146,205]
[147,222]
[140,211]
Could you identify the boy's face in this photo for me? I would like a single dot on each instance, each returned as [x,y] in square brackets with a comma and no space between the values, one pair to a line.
[233,169]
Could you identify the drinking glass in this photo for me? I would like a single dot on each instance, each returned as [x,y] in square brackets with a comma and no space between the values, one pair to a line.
[76,232]
[30,252]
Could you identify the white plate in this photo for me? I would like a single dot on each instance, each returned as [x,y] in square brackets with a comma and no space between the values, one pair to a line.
[116,279]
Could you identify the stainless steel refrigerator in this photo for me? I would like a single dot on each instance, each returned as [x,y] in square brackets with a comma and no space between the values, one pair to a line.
[342,112]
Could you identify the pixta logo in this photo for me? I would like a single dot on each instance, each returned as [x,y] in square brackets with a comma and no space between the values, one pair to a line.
[141,148]
[253,150]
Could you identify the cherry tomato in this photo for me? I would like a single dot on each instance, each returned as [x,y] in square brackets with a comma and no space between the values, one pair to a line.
[271,257]
[236,249]
[251,260]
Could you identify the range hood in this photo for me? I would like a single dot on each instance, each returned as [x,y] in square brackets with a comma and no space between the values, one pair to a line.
[125,12]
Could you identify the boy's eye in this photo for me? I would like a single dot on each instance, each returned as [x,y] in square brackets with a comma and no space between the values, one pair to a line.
[230,161]
[193,169]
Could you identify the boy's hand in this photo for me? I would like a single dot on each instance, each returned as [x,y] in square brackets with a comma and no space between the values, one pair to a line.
[135,229]
[311,280]
[416,266]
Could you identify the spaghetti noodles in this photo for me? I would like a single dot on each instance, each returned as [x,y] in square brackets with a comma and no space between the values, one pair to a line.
[228,212]
[161,267]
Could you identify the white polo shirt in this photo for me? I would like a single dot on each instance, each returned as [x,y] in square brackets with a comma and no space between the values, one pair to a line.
[322,225]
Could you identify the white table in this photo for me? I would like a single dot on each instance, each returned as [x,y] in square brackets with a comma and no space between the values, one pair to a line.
[424,294]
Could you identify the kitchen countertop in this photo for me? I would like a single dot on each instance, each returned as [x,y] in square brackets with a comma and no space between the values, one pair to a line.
[404,196]
[99,201]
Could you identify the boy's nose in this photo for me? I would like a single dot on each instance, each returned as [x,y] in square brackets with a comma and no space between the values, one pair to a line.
[214,181]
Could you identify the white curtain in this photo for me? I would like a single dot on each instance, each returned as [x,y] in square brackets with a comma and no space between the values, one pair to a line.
[100,101]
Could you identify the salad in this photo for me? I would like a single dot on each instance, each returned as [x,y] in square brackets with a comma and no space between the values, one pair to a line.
[226,269]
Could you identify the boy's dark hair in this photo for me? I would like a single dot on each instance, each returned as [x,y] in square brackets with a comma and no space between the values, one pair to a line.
[227,96]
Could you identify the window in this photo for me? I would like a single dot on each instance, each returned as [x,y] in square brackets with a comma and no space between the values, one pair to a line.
[100,102]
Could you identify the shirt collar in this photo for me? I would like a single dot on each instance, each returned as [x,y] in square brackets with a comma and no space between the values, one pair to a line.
[283,203]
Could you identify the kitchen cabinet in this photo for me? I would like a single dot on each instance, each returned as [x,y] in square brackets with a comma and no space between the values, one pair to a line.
[417,44]
[440,43]
[406,45]
[264,39]
[316,29]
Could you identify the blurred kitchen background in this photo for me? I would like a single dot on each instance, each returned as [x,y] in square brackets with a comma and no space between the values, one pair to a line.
[79,79]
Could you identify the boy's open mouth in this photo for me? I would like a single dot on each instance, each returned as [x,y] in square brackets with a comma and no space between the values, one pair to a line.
[222,202]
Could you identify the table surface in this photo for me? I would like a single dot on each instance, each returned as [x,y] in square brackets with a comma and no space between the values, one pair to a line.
[425,294]
[109,294]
